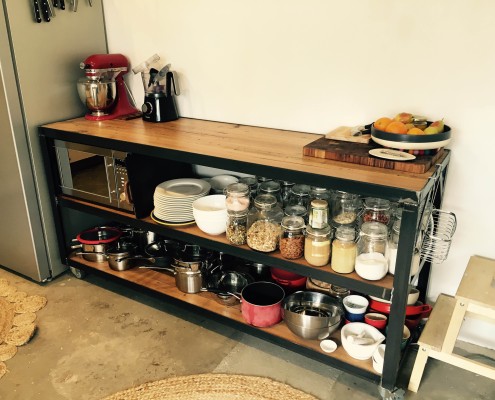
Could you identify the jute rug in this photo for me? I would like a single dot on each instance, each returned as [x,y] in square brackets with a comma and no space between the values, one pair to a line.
[17,320]
[212,387]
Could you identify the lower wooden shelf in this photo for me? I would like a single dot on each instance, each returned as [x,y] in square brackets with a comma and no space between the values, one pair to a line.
[163,284]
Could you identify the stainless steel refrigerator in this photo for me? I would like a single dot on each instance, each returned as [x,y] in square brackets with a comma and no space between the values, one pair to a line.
[39,68]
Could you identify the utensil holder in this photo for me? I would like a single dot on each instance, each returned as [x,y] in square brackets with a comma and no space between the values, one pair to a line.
[438,236]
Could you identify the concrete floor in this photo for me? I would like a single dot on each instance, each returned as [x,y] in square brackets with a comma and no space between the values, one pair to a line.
[95,338]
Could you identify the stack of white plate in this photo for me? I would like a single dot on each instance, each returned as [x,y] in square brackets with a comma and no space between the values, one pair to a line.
[173,199]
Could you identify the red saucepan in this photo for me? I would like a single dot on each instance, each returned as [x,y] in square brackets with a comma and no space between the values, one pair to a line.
[261,303]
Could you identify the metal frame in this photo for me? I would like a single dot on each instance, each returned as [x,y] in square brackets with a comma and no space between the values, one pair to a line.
[414,206]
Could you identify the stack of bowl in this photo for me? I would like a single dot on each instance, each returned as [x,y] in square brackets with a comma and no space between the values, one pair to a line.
[311,315]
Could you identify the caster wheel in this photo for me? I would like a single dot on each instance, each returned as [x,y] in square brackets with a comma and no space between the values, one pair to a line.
[78,273]
[396,394]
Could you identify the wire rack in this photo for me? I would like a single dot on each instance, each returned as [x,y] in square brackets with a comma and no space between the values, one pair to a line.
[438,236]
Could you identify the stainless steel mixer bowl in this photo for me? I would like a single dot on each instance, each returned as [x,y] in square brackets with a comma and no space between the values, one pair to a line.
[311,315]
[97,95]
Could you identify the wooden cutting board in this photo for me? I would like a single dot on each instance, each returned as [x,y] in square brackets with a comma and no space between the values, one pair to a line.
[357,153]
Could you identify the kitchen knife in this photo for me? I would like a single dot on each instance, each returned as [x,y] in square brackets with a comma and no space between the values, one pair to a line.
[36,8]
[55,3]
[62,4]
[74,5]
[45,11]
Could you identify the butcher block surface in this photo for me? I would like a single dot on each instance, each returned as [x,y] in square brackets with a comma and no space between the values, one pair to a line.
[358,153]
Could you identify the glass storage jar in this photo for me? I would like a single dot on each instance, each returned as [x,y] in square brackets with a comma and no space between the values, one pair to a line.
[285,187]
[299,195]
[252,183]
[377,210]
[319,193]
[317,245]
[236,231]
[273,188]
[344,207]
[393,244]
[371,257]
[292,237]
[318,213]
[263,223]
[237,198]
[298,210]
[344,250]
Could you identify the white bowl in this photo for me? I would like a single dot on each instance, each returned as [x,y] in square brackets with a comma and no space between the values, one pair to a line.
[210,214]
[378,358]
[413,296]
[360,340]
[356,304]
[220,182]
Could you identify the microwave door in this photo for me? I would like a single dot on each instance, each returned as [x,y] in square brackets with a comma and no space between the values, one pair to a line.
[86,174]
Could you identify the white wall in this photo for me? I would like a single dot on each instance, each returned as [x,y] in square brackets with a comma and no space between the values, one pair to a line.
[315,65]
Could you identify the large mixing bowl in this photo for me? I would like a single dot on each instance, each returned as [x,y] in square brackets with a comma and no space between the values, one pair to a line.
[311,315]
[97,95]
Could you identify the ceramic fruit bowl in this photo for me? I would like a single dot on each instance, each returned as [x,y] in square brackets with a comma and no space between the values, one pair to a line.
[411,142]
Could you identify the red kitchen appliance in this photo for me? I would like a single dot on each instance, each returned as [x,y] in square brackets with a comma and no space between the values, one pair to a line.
[103,89]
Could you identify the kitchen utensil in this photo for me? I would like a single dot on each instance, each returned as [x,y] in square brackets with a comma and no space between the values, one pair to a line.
[379,321]
[328,346]
[210,214]
[103,90]
[37,12]
[261,303]
[311,315]
[360,349]
[45,10]
[416,309]
[93,256]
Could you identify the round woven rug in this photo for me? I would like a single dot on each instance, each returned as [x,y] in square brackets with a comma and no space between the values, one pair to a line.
[17,320]
[212,387]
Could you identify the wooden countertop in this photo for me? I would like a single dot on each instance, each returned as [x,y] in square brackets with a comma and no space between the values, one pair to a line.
[256,145]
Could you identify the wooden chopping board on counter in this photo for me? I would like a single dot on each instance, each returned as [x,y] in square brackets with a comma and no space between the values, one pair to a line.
[358,153]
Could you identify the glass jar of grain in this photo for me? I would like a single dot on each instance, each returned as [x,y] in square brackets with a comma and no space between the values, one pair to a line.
[317,245]
[263,223]
[292,237]
[344,250]
[236,231]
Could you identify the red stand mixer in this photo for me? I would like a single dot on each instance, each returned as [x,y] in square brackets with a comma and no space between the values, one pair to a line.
[103,90]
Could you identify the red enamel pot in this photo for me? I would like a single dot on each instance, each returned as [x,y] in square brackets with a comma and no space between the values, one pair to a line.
[261,303]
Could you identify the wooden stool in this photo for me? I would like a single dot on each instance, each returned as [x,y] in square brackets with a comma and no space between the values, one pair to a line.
[476,296]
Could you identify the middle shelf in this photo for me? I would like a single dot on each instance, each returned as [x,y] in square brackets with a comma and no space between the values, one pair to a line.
[381,289]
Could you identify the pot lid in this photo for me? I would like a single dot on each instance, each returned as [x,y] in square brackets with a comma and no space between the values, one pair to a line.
[100,235]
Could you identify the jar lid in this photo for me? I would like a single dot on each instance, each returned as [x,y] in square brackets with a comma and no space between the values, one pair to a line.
[319,203]
[345,195]
[301,189]
[263,179]
[323,231]
[316,189]
[249,180]
[237,189]
[286,183]
[238,214]
[269,186]
[265,201]
[345,233]
[292,222]
[377,204]
[374,229]
[296,209]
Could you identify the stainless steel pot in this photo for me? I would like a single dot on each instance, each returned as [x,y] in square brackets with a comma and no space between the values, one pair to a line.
[188,281]
[98,257]
[119,257]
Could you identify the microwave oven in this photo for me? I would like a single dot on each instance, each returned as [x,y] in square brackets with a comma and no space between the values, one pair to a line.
[126,181]
[94,173]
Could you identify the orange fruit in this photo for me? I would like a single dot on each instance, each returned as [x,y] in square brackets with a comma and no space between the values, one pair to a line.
[396,127]
[415,131]
[381,123]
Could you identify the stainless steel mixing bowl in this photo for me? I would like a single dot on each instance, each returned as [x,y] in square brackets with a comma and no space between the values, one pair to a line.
[97,95]
[311,315]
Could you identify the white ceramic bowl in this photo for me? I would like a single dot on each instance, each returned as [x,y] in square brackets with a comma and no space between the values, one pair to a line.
[210,214]
[356,304]
[413,296]
[360,340]
[378,358]
[220,182]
